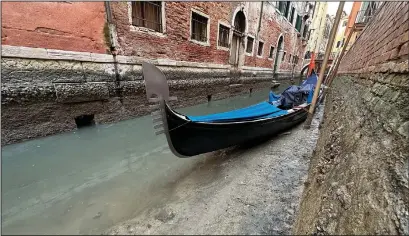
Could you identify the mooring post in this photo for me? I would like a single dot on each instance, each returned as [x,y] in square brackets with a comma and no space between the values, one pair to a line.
[330,43]
[340,56]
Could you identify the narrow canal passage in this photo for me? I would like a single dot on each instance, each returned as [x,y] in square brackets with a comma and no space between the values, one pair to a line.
[90,179]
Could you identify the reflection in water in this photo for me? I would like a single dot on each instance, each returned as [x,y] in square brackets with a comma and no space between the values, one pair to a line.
[85,181]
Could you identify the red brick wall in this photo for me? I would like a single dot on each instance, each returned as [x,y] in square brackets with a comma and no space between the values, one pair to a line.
[176,45]
[270,33]
[385,39]
[73,26]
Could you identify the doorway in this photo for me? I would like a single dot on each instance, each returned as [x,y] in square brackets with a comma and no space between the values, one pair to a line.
[279,54]
[237,43]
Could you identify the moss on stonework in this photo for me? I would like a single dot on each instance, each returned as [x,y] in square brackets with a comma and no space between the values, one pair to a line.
[107,38]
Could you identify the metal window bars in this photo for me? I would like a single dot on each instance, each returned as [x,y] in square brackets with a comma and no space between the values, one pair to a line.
[148,15]
[250,42]
[364,16]
[271,54]
[199,27]
[224,36]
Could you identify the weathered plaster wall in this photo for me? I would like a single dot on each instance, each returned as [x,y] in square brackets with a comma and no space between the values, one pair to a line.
[358,177]
[72,26]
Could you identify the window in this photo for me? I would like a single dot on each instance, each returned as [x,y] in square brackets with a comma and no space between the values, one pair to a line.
[287,9]
[283,56]
[223,36]
[292,15]
[307,55]
[284,8]
[338,44]
[298,23]
[148,15]
[271,54]
[281,6]
[249,48]
[344,23]
[289,58]
[199,27]
[260,48]
[305,33]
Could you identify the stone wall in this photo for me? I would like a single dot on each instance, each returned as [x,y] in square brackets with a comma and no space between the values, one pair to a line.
[43,90]
[358,177]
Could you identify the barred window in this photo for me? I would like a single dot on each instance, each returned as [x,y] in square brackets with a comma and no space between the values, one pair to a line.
[296,60]
[271,52]
[260,48]
[224,36]
[147,14]
[249,48]
[199,27]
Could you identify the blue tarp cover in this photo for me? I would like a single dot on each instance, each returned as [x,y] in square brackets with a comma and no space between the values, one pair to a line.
[312,79]
[260,110]
[273,97]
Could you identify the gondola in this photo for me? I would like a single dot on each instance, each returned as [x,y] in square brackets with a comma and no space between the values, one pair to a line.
[193,135]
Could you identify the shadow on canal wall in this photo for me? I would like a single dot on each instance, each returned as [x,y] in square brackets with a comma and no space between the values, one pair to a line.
[49,91]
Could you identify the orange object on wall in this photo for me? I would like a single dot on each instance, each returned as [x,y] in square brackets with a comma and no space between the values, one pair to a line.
[72,26]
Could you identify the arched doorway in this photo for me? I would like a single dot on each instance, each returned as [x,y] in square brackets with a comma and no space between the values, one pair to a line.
[237,43]
[279,53]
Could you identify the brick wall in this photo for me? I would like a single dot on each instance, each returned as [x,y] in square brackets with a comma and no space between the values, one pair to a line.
[273,26]
[358,178]
[175,44]
[384,39]
[72,26]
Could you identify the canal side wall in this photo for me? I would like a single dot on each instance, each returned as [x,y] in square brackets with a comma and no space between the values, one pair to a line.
[358,177]
[44,90]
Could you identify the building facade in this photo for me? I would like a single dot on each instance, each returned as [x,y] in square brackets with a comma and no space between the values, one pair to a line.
[316,43]
[360,15]
[340,35]
[76,61]
[241,34]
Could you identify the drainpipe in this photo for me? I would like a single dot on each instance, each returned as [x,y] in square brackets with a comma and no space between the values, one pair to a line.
[259,20]
[259,27]
[113,48]
[111,27]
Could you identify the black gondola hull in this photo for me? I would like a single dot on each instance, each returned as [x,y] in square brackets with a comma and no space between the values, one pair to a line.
[192,138]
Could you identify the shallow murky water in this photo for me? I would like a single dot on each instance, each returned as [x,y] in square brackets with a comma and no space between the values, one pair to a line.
[85,181]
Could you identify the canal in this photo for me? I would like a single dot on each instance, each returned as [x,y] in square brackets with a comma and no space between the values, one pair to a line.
[87,180]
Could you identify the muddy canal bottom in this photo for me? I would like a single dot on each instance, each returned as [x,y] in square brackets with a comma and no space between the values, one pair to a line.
[93,179]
